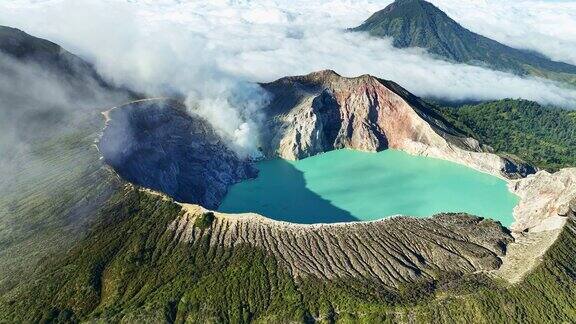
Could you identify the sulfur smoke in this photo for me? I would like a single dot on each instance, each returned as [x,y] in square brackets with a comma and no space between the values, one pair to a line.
[213,53]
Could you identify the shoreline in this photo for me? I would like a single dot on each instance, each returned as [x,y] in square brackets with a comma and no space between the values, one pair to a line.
[424,154]
[547,223]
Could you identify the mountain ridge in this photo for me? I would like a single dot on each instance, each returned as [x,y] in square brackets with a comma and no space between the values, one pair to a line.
[78,74]
[30,49]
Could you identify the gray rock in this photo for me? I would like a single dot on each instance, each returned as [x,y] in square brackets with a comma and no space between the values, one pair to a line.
[158,145]
[390,251]
[323,111]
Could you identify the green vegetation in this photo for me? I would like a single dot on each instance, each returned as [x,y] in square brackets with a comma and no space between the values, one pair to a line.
[48,199]
[542,136]
[205,220]
[131,267]
[51,178]
[417,23]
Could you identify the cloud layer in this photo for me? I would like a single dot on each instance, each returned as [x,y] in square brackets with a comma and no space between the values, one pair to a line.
[212,50]
[546,26]
[37,106]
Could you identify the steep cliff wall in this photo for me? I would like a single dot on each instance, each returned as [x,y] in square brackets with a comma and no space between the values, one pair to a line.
[158,145]
[323,111]
[545,200]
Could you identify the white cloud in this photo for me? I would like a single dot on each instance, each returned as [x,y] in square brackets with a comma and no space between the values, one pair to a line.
[210,50]
[35,105]
[546,26]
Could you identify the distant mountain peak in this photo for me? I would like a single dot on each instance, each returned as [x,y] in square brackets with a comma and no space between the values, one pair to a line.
[418,23]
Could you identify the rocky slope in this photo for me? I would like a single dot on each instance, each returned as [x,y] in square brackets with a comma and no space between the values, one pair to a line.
[147,258]
[545,200]
[397,250]
[390,251]
[158,145]
[135,267]
[323,111]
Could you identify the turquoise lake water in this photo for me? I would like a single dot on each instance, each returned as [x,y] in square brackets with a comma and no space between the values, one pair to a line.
[347,185]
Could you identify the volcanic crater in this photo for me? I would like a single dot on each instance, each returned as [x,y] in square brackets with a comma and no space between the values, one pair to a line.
[157,144]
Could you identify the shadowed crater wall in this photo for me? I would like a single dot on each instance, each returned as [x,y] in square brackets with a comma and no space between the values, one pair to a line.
[156,144]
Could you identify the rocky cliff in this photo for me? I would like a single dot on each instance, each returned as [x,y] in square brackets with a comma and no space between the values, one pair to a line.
[323,111]
[545,200]
[547,203]
[148,256]
[158,145]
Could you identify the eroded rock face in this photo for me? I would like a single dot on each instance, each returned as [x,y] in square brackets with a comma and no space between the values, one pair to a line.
[545,200]
[323,111]
[390,251]
[156,144]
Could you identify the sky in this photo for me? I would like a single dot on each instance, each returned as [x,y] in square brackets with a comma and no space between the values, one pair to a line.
[213,51]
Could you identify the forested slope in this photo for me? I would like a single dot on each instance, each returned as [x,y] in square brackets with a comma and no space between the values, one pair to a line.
[543,136]
[131,267]
[51,176]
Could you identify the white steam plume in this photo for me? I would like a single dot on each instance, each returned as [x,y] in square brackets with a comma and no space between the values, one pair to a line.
[211,51]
